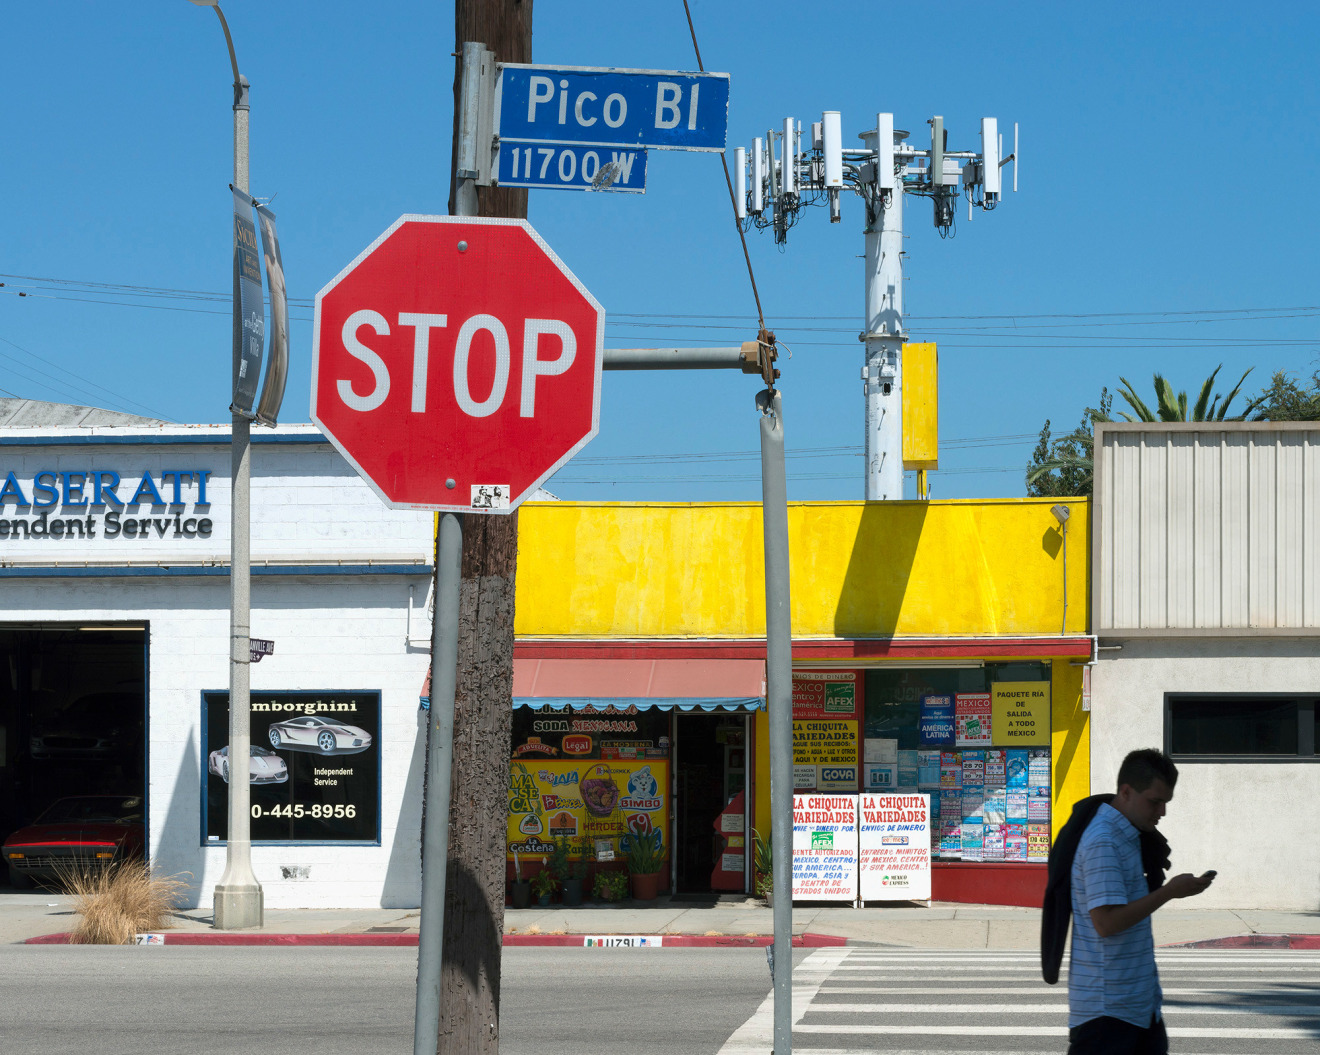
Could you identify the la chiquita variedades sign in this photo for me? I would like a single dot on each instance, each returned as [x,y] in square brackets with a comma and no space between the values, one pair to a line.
[104,504]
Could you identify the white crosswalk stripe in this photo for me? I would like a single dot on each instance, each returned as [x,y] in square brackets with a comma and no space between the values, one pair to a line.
[917,1002]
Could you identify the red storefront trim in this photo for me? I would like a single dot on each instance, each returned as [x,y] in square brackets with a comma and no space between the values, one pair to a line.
[994,883]
[809,649]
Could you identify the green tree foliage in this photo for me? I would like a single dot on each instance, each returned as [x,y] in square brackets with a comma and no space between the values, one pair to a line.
[1063,467]
[1171,407]
[1289,399]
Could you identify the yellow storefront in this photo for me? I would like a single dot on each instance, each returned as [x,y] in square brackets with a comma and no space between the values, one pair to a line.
[652,609]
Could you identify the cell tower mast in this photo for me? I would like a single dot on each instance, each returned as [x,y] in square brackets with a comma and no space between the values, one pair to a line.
[886,168]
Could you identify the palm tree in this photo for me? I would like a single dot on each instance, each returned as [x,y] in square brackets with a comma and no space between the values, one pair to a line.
[1174,408]
[1065,467]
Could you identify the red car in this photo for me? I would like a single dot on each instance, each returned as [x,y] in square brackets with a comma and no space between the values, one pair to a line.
[74,832]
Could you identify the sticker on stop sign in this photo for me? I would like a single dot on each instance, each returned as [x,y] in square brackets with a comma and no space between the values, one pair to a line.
[456,363]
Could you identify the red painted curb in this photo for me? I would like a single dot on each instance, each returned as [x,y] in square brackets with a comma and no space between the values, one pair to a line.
[1254,941]
[681,941]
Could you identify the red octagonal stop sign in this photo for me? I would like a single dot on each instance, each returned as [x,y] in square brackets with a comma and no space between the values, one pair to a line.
[457,363]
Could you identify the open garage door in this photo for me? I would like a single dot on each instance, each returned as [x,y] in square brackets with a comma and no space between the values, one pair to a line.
[73,716]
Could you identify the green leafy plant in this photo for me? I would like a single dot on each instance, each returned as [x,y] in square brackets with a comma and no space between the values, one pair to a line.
[644,856]
[559,863]
[544,883]
[611,886]
[763,863]
[585,849]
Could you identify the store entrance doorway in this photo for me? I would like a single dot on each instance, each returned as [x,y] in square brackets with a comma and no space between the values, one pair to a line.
[73,711]
[710,770]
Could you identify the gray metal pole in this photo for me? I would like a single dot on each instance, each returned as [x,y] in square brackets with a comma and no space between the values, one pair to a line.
[674,359]
[779,701]
[439,756]
[238,897]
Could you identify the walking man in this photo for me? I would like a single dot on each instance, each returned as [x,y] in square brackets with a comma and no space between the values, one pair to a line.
[1114,992]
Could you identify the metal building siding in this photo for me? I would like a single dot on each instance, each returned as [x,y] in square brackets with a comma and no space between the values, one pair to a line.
[1212,528]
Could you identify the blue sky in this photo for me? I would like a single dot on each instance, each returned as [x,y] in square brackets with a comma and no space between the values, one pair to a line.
[1163,216]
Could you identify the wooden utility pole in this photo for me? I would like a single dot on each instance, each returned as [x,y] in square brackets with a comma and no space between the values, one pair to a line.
[483,705]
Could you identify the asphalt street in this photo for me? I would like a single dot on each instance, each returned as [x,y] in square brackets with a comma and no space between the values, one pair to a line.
[904,1002]
[328,1001]
[562,1001]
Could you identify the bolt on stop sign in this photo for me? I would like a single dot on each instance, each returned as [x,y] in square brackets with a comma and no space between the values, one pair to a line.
[456,363]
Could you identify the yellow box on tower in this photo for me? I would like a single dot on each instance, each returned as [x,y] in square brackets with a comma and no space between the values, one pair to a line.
[921,441]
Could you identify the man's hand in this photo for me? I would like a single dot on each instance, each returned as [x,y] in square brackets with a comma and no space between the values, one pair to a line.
[1114,919]
[1188,885]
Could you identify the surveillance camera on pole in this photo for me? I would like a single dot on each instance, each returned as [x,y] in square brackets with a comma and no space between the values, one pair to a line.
[886,168]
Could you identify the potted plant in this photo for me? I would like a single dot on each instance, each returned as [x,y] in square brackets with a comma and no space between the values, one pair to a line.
[571,871]
[645,863]
[611,886]
[521,889]
[563,870]
[763,867]
[544,885]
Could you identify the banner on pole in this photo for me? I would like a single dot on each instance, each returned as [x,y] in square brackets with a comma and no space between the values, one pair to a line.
[249,311]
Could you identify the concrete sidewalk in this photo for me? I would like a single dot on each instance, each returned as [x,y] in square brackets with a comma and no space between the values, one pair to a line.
[941,926]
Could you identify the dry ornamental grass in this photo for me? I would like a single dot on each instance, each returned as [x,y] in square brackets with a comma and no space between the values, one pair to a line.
[116,903]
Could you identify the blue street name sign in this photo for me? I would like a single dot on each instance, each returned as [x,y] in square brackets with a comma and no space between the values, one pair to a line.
[587,106]
[557,166]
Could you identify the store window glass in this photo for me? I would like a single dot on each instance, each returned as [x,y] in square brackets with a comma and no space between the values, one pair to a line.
[1226,725]
[976,739]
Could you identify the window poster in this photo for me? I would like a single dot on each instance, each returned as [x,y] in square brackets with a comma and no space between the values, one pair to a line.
[995,806]
[826,729]
[950,769]
[936,721]
[1021,713]
[1016,805]
[894,834]
[973,768]
[971,719]
[928,769]
[1015,842]
[1038,804]
[907,771]
[880,777]
[973,836]
[995,775]
[824,847]
[992,842]
[1016,767]
[313,767]
[1038,767]
[1038,842]
[583,801]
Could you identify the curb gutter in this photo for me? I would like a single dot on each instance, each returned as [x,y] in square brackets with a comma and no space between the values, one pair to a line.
[681,941]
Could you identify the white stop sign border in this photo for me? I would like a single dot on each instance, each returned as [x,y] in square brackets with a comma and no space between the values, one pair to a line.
[477,504]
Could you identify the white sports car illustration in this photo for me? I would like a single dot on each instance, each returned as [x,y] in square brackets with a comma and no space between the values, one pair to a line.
[319,734]
[264,765]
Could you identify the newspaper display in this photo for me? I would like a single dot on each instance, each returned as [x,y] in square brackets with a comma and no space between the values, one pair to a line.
[894,844]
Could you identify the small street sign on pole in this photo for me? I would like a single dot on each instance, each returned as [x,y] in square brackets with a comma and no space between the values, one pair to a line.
[600,106]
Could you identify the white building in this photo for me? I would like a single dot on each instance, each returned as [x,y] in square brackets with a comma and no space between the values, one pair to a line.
[1206,603]
[114,545]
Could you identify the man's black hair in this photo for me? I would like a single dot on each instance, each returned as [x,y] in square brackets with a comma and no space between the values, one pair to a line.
[1142,768]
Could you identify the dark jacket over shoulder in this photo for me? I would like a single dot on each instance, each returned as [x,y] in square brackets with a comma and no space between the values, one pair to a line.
[1056,911]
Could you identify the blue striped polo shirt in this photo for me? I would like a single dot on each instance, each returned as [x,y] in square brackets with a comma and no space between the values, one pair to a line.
[1112,976]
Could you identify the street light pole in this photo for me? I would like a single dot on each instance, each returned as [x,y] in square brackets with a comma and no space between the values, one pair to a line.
[238,895]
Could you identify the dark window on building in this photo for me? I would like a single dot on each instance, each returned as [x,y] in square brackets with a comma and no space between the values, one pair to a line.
[1240,726]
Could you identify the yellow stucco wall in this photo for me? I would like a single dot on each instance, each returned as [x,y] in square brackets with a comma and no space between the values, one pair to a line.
[980,568]
[859,569]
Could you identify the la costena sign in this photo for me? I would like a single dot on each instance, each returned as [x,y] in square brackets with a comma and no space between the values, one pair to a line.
[87,503]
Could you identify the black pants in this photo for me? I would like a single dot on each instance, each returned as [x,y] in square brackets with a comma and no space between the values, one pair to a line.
[1113,1036]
